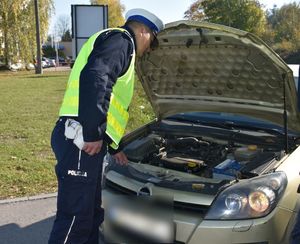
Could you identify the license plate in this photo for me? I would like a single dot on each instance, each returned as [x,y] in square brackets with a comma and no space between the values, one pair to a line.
[140,219]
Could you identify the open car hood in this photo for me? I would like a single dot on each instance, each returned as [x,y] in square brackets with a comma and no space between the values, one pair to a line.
[201,66]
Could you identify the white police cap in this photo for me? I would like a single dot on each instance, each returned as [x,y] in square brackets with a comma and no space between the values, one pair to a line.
[145,17]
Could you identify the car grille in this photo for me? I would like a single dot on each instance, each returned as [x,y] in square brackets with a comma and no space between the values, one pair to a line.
[118,189]
[201,209]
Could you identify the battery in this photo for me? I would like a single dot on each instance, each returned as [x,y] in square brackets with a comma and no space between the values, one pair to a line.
[228,169]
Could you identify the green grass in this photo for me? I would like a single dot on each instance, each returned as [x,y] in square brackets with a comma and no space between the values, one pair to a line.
[29,106]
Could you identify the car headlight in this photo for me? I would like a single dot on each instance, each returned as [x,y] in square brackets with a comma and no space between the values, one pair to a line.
[247,199]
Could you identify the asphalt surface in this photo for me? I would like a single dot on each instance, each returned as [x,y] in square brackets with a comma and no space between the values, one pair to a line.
[27,220]
[60,68]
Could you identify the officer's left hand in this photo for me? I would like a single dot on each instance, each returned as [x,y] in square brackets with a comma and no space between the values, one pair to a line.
[92,148]
[121,158]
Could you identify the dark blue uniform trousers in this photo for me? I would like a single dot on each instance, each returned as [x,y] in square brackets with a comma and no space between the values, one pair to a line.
[79,213]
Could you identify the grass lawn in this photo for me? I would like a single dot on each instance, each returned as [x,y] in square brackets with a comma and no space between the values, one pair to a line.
[29,106]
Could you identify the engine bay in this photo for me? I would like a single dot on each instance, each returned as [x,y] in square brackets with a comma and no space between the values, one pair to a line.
[203,156]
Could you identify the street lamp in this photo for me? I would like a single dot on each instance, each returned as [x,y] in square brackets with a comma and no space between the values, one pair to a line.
[56,42]
[38,69]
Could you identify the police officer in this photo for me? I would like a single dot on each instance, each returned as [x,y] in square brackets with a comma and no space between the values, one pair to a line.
[93,115]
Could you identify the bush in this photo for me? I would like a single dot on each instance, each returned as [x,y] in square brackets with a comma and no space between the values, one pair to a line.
[49,51]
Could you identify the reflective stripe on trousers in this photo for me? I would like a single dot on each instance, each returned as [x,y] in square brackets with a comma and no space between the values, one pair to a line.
[79,212]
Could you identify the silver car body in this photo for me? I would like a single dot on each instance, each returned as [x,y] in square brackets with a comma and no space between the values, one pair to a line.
[204,67]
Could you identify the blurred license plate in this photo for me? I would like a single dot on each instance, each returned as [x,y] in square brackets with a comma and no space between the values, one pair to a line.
[140,219]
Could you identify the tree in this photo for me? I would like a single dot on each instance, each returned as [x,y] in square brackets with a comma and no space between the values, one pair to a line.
[17,26]
[50,52]
[67,37]
[195,12]
[246,15]
[285,24]
[62,28]
[115,10]
[9,10]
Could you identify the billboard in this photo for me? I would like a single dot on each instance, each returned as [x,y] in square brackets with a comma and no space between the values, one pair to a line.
[86,20]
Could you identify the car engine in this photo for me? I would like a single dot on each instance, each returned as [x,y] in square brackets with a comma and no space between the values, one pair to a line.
[206,157]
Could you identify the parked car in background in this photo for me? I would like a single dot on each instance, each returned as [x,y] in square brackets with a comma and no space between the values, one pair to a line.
[45,62]
[61,60]
[220,164]
[19,65]
[30,66]
[51,62]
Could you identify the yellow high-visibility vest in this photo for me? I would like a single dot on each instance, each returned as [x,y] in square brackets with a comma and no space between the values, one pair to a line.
[122,92]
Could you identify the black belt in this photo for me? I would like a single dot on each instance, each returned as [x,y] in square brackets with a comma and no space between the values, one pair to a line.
[64,118]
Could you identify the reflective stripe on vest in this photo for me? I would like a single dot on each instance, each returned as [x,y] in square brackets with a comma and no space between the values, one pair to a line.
[117,115]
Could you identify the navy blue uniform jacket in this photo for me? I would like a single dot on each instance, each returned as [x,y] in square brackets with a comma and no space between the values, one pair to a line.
[109,59]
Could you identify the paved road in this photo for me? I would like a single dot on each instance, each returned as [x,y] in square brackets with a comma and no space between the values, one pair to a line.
[60,68]
[27,221]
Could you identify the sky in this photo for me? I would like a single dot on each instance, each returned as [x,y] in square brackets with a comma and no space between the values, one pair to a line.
[167,10]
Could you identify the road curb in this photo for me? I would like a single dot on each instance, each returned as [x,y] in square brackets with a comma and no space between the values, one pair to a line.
[31,198]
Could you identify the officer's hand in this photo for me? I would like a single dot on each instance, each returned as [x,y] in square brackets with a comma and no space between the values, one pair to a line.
[92,148]
[121,158]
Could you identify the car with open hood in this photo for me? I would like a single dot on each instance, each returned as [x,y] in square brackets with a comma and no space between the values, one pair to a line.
[220,163]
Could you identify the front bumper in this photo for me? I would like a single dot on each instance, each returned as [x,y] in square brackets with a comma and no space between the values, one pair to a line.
[190,227]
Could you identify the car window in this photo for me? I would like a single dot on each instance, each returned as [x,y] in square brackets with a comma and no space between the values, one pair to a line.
[296,70]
